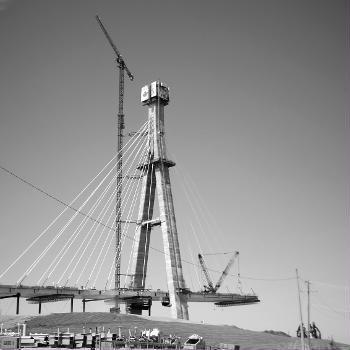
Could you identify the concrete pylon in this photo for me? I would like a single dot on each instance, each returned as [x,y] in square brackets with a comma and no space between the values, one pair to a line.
[156,177]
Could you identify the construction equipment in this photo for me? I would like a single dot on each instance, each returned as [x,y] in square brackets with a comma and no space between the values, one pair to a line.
[194,342]
[122,67]
[225,272]
[210,288]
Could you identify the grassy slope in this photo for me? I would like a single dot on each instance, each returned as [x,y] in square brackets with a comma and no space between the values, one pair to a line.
[213,334]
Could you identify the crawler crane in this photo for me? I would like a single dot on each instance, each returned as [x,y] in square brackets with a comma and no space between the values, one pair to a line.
[210,287]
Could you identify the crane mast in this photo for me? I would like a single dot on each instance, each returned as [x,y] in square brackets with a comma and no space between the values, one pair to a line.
[122,67]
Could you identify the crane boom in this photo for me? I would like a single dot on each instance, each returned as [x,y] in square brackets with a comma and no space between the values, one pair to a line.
[225,272]
[120,58]
[206,273]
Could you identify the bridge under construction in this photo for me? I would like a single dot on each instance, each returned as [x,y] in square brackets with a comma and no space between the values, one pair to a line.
[150,166]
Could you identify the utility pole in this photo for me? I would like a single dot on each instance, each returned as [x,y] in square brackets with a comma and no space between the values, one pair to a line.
[122,67]
[301,315]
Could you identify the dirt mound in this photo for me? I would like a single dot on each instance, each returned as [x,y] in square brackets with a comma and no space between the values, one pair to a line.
[11,321]
[213,334]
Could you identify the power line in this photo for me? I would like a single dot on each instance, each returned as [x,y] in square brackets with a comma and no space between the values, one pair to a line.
[331,285]
[53,197]
[268,279]
[219,253]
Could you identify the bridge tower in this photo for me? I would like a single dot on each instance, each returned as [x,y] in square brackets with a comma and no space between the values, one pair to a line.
[156,178]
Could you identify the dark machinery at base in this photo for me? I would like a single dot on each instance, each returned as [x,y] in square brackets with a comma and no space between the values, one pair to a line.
[166,301]
[135,305]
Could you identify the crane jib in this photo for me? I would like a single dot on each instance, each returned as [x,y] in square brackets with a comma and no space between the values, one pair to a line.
[120,59]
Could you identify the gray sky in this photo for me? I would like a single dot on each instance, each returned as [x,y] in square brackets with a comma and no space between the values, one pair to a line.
[258,121]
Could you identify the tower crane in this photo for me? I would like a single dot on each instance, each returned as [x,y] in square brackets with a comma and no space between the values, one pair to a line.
[122,67]
[210,288]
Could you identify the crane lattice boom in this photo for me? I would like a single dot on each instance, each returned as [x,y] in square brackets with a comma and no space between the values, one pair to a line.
[225,272]
[206,273]
[211,287]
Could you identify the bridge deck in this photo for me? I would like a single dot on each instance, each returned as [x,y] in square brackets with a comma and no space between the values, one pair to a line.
[122,295]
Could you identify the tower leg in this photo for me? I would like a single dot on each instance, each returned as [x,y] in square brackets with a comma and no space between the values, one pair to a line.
[17,304]
[179,308]
[71,304]
[149,306]
[143,232]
